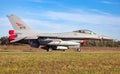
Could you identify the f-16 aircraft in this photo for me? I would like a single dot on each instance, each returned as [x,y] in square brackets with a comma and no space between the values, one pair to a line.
[22,33]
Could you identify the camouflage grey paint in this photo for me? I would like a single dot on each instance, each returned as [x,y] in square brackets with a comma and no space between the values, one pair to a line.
[74,38]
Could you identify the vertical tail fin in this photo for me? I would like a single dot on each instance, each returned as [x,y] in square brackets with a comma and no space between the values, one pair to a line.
[17,23]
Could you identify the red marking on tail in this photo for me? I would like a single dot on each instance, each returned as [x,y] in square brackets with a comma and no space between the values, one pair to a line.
[19,24]
[12,35]
[11,32]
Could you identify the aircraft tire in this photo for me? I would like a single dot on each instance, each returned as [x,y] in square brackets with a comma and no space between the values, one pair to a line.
[78,49]
[64,50]
[49,49]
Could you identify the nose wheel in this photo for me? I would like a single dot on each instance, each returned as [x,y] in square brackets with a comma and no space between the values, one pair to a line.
[78,49]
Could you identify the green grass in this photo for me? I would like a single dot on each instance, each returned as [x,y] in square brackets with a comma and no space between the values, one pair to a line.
[59,62]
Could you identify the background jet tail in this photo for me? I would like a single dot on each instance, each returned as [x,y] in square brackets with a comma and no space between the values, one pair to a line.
[17,23]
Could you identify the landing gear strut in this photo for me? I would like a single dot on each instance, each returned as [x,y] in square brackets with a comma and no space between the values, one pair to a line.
[78,49]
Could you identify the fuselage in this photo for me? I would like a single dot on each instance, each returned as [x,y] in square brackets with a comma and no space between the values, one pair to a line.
[64,36]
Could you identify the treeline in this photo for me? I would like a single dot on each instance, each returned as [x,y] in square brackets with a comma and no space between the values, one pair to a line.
[97,43]
[102,43]
[4,40]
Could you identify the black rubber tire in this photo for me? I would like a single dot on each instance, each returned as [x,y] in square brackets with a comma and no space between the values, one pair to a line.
[78,49]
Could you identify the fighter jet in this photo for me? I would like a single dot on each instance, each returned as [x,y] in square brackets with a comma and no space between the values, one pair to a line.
[22,33]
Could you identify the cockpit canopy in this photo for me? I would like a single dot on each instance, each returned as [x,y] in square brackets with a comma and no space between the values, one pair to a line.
[84,31]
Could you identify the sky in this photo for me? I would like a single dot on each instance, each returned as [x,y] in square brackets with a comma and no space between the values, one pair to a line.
[51,16]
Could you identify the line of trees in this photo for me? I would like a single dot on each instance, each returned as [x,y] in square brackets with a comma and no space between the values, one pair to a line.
[97,43]
[4,40]
[103,43]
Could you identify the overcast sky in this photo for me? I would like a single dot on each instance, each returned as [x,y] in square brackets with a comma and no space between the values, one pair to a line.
[100,16]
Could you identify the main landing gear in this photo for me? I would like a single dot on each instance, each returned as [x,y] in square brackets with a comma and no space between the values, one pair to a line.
[49,49]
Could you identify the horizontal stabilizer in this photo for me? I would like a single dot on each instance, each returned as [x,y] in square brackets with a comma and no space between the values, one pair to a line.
[17,39]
